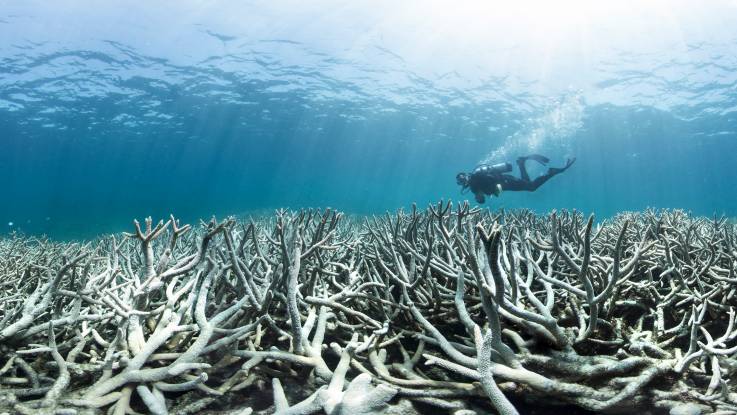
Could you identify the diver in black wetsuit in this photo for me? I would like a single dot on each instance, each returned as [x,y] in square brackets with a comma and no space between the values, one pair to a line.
[491,179]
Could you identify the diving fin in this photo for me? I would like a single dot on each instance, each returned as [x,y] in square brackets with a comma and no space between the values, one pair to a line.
[556,170]
[538,158]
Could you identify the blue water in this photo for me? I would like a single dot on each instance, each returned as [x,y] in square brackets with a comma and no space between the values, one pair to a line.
[111,111]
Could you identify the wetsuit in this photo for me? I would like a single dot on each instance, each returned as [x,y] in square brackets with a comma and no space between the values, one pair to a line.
[485,180]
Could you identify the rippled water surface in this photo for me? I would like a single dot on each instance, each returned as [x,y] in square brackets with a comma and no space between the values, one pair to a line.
[116,110]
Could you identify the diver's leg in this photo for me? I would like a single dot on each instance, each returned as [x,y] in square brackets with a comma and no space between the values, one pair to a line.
[522,169]
[533,185]
[553,171]
[522,160]
[513,184]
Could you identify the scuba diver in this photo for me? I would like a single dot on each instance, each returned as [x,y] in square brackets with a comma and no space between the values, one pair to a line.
[491,179]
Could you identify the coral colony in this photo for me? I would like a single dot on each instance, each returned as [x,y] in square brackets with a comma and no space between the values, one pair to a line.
[452,310]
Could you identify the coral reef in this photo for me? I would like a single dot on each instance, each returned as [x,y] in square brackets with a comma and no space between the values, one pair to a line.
[450,310]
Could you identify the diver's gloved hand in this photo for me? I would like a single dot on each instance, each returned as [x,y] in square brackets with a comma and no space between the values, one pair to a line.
[498,190]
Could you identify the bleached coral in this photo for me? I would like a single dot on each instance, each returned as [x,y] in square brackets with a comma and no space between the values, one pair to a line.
[459,309]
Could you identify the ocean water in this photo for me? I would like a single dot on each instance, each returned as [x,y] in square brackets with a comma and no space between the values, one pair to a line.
[117,110]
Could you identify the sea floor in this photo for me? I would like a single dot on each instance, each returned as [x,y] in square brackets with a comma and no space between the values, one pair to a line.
[451,309]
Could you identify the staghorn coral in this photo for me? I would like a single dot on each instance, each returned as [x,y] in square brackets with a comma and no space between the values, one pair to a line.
[458,310]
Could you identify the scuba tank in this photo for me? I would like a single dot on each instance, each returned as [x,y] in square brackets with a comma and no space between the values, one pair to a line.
[498,168]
